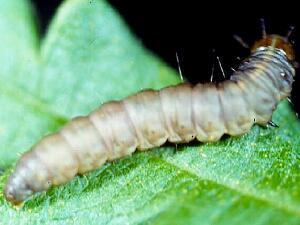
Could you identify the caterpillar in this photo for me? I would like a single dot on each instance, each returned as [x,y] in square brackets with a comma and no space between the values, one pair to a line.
[149,118]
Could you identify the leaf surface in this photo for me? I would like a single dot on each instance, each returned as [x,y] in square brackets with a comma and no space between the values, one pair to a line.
[88,57]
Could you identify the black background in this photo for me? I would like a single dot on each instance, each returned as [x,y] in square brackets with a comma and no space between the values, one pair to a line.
[194,29]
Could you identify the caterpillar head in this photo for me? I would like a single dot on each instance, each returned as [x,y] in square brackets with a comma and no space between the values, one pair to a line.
[286,75]
[276,41]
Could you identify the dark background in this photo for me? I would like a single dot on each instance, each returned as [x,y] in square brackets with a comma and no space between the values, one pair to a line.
[194,30]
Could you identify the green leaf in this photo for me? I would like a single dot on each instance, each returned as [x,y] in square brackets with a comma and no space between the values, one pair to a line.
[88,57]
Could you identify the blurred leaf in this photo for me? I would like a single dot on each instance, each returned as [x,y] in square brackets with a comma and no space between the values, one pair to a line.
[88,57]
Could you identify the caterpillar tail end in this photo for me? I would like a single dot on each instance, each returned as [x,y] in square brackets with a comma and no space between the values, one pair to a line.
[10,196]
[16,192]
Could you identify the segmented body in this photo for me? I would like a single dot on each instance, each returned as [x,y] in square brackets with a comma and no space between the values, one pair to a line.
[148,119]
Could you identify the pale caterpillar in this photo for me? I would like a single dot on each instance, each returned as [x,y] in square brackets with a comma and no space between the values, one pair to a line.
[148,119]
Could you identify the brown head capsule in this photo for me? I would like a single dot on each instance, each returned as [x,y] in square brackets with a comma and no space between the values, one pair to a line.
[276,41]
